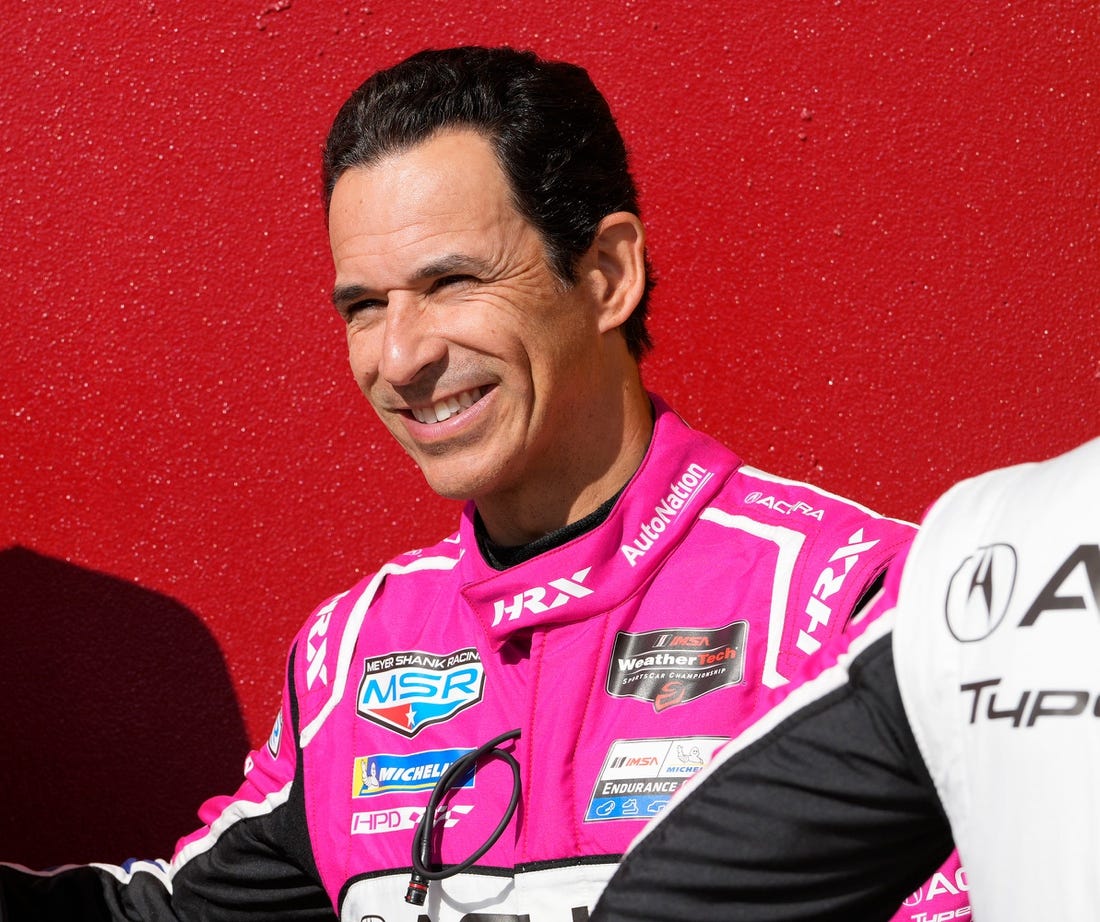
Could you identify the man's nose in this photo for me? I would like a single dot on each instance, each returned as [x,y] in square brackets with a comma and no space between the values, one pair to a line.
[410,342]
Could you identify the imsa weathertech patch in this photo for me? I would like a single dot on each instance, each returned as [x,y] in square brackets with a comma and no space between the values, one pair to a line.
[676,665]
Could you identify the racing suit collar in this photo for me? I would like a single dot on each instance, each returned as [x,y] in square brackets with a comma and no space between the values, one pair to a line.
[591,574]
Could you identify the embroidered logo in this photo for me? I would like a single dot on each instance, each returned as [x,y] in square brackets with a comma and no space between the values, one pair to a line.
[980,591]
[408,691]
[677,665]
[542,598]
[399,818]
[276,736]
[680,494]
[639,777]
[388,773]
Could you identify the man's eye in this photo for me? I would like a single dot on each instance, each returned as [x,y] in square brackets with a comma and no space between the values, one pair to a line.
[358,307]
[448,281]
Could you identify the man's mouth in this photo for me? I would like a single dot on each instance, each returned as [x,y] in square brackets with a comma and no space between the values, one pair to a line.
[446,408]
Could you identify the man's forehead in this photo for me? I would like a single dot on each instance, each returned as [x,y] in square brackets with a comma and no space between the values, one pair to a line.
[443,202]
[451,179]
[447,165]
[423,240]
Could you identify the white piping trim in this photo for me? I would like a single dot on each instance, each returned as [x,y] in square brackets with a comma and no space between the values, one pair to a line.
[236,811]
[353,627]
[789,542]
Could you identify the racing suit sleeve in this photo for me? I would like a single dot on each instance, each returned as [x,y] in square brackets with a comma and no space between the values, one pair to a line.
[252,859]
[821,808]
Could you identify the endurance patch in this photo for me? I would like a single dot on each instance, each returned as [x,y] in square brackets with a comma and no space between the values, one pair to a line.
[640,776]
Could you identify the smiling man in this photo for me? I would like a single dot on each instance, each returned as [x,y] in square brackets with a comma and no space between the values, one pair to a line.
[480,728]
[492,373]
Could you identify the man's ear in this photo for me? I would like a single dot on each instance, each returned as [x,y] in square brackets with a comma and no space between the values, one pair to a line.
[618,268]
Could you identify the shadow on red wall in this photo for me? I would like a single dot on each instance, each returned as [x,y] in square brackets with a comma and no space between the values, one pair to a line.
[117,716]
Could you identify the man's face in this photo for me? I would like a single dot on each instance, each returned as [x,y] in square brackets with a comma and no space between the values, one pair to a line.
[482,363]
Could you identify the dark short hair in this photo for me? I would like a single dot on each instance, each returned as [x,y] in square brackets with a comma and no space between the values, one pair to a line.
[552,131]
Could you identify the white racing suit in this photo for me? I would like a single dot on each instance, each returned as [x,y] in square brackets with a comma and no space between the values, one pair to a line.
[968,700]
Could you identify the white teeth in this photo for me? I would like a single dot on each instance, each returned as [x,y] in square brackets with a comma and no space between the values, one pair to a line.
[446,408]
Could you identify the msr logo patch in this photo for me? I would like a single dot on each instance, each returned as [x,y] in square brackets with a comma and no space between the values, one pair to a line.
[408,691]
[677,665]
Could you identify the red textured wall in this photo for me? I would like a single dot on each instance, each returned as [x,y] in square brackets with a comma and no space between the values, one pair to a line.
[876,240]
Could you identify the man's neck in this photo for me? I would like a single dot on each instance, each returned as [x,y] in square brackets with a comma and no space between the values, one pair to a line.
[556,501]
[500,557]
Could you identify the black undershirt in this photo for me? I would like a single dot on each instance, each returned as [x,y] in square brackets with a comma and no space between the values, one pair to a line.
[500,557]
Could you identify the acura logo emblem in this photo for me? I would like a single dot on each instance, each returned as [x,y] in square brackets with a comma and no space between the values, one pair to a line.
[979,592]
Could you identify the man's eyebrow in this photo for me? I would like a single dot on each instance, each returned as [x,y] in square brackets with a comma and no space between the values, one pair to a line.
[343,295]
[452,262]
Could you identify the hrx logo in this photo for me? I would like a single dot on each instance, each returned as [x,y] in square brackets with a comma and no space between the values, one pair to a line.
[317,644]
[819,608]
[559,592]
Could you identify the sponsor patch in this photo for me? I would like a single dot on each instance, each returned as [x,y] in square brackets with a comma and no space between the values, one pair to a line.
[680,494]
[408,691]
[980,591]
[640,776]
[676,665]
[276,736]
[389,773]
[785,508]
[379,821]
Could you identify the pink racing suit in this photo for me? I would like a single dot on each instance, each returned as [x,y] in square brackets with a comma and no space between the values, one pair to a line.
[623,657]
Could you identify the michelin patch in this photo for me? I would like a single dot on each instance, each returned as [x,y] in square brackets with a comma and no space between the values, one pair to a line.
[677,665]
[390,773]
[408,691]
[639,777]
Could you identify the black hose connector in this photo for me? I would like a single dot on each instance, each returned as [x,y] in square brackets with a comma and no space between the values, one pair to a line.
[418,890]
[423,869]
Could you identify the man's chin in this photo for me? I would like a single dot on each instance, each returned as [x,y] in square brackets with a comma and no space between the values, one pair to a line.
[460,482]
[451,486]
[456,493]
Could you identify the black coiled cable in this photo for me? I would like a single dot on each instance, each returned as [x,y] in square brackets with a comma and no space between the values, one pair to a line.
[422,837]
